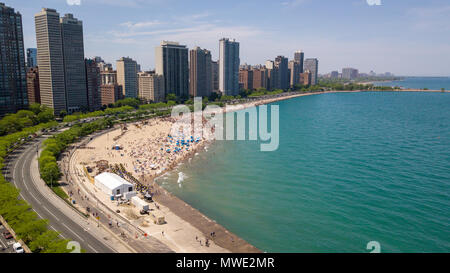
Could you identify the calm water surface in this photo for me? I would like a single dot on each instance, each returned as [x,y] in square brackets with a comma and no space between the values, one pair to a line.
[351,168]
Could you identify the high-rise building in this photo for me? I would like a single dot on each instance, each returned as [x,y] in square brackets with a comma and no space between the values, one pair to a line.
[260,78]
[273,76]
[93,83]
[246,79]
[50,60]
[34,93]
[350,73]
[151,87]
[172,63]
[215,76]
[334,74]
[200,73]
[281,63]
[31,57]
[299,58]
[13,84]
[294,73]
[305,78]
[127,77]
[229,67]
[312,65]
[74,65]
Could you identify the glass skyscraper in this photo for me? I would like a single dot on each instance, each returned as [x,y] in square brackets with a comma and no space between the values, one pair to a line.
[13,83]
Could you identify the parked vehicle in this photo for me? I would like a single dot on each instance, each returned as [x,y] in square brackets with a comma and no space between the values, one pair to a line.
[7,235]
[18,248]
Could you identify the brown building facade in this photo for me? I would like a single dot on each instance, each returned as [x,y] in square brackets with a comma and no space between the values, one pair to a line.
[246,79]
[305,78]
[110,93]
[259,78]
[34,93]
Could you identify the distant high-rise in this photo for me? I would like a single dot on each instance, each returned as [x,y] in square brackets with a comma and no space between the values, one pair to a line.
[93,83]
[172,63]
[229,67]
[299,58]
[74,65]
[281,63]
[13,85]
[34,93]
[312,65]
[350,73]
[31,57]
[294,73]
[127,77]
[260,78]
[151,87]
[272,75]
[215,76]
[200,73]
[334,74]
[246,78]
[305,78]
[50,60]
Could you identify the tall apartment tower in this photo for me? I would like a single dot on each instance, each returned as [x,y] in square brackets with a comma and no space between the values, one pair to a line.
[51,60]
[172,63]
[74,65]
[229,67]
[281,63]
[31,57]
[127,77]
[294,71]
[312,65]
[246,78]
[13,84]
[260,78]
[200,73]
[299,58]
[215,76]
[93,83]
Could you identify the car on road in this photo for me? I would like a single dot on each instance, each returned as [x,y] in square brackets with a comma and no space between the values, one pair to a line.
[18,248]
[7,235]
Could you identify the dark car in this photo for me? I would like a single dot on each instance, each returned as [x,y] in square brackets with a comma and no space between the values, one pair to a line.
[7,235]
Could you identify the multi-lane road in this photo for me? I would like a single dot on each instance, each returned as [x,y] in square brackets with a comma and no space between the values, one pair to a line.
[20,173]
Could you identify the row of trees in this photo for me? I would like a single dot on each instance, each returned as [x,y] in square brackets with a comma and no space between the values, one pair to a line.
[25,118]
[18,213]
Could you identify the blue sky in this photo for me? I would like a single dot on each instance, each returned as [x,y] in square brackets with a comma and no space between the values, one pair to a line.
[406,37]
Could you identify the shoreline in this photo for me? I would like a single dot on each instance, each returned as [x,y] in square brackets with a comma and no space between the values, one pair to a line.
[190,215]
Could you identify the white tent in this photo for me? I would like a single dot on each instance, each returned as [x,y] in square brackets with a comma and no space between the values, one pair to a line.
[112,184]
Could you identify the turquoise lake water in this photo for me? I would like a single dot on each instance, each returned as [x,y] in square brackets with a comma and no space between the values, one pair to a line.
[351,168]
[432,83]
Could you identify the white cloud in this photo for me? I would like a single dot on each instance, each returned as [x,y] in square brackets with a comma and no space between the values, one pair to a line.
[73,2]
[293,3]
[145,24]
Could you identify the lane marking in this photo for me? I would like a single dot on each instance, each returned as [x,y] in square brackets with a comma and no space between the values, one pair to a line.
[50,213]
[92,248]
[38,214]
[73,232]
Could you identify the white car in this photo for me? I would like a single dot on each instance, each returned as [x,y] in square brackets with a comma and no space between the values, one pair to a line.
[18,248]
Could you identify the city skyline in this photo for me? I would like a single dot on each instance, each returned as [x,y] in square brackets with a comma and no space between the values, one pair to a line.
[368,45]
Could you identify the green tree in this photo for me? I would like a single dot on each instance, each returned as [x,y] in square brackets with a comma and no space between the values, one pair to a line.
[35,108]
[46,116]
